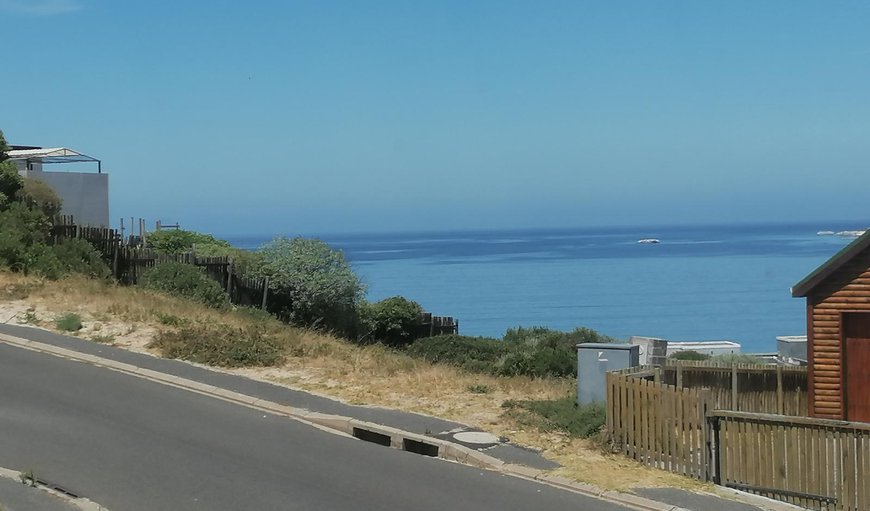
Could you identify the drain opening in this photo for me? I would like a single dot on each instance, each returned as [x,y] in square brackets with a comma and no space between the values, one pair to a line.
[371,436]
[57,488]
[419,447]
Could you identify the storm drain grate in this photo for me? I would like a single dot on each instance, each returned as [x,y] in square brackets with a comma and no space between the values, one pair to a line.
[57,488]
[372,436]
[419,447]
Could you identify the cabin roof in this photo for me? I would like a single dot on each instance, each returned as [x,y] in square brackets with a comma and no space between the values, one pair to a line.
[820,274]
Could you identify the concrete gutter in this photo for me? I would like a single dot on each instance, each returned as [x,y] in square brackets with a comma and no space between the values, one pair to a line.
[78,502]
[368,431]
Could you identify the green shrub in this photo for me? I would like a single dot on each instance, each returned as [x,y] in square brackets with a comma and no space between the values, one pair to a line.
[69,256]
[559,415]
[737,358]
[69,322]
[23,236]
[187,281]
[221,345]
[540,351]
[38,195]
[536,362]
[689,355]
[10,182]
[394,321]
[174,241]
[475,354]
[311,284]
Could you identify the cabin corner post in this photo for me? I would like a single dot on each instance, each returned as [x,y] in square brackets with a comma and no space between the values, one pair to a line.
[811,394]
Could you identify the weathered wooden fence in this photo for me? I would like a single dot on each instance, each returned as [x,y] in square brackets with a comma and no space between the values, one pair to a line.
[436,325]
[813,463]
[659,425]
[128,260]
[816,463]
[744,387]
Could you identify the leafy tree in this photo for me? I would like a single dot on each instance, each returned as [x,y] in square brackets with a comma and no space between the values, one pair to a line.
[10,183]
[312,284]
[392,320]
[4,147]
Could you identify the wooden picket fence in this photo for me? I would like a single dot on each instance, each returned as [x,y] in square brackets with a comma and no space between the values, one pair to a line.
[659,425]
[813,463]
[744,387]
[816,463]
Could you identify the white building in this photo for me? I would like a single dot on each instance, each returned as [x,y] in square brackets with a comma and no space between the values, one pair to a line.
[85,195]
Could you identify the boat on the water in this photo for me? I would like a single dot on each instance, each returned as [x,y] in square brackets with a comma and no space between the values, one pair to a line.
[648,241]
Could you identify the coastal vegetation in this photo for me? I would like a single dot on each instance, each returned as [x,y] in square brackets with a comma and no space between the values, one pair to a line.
[319,333]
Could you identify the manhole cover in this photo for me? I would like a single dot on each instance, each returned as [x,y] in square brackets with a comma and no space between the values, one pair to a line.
[476,437]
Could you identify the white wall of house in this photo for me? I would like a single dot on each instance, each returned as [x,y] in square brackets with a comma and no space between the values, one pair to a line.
[85,195]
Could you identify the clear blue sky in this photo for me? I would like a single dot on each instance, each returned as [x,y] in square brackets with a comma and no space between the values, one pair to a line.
[286,117]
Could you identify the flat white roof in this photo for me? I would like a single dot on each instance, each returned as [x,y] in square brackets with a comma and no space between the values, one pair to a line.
[50,155]
[690,345]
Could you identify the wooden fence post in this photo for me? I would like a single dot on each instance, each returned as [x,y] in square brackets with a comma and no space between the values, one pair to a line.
[657,375]
[230,271]
[115,263]
[734,387]
[679,376]
[780,398]
[265,291]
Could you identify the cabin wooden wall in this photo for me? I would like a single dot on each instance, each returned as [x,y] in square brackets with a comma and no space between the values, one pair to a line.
[846,290]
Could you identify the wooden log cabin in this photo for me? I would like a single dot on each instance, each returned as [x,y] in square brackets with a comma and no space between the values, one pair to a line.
[838,334]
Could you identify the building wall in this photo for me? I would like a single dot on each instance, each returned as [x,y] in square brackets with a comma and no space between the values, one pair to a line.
[846,290]
[85,195]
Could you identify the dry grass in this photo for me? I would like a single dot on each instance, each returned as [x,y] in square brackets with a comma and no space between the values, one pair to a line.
[372,375]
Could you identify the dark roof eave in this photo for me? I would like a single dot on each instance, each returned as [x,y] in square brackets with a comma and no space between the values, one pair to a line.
[805,286]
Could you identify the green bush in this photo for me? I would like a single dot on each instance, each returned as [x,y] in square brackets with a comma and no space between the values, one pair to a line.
[10,182]
[540,351]
[689,355]
[69,322]
[36,194]
[187,281]
[70,256]
[174,241]
[394,321]
[537,352]
[475,354]
[311,284]
[559,415]
[23,236]
[221,345]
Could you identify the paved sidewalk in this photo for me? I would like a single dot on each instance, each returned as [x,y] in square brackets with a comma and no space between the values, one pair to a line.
[411,422]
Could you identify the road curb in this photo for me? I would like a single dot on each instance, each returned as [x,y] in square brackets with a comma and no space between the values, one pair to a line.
[80,502]
[348,426]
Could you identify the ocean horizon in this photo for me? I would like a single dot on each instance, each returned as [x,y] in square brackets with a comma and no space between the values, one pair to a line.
[704,282]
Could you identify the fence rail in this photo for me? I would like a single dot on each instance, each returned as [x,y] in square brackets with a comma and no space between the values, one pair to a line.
[744,387]
[813,463]
[659,425]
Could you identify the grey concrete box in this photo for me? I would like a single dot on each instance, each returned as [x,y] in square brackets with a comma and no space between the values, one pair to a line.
[594,360]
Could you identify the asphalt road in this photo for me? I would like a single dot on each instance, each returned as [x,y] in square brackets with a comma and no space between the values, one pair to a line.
[131,444]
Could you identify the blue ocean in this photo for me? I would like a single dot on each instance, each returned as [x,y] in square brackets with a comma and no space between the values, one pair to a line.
[698,283]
